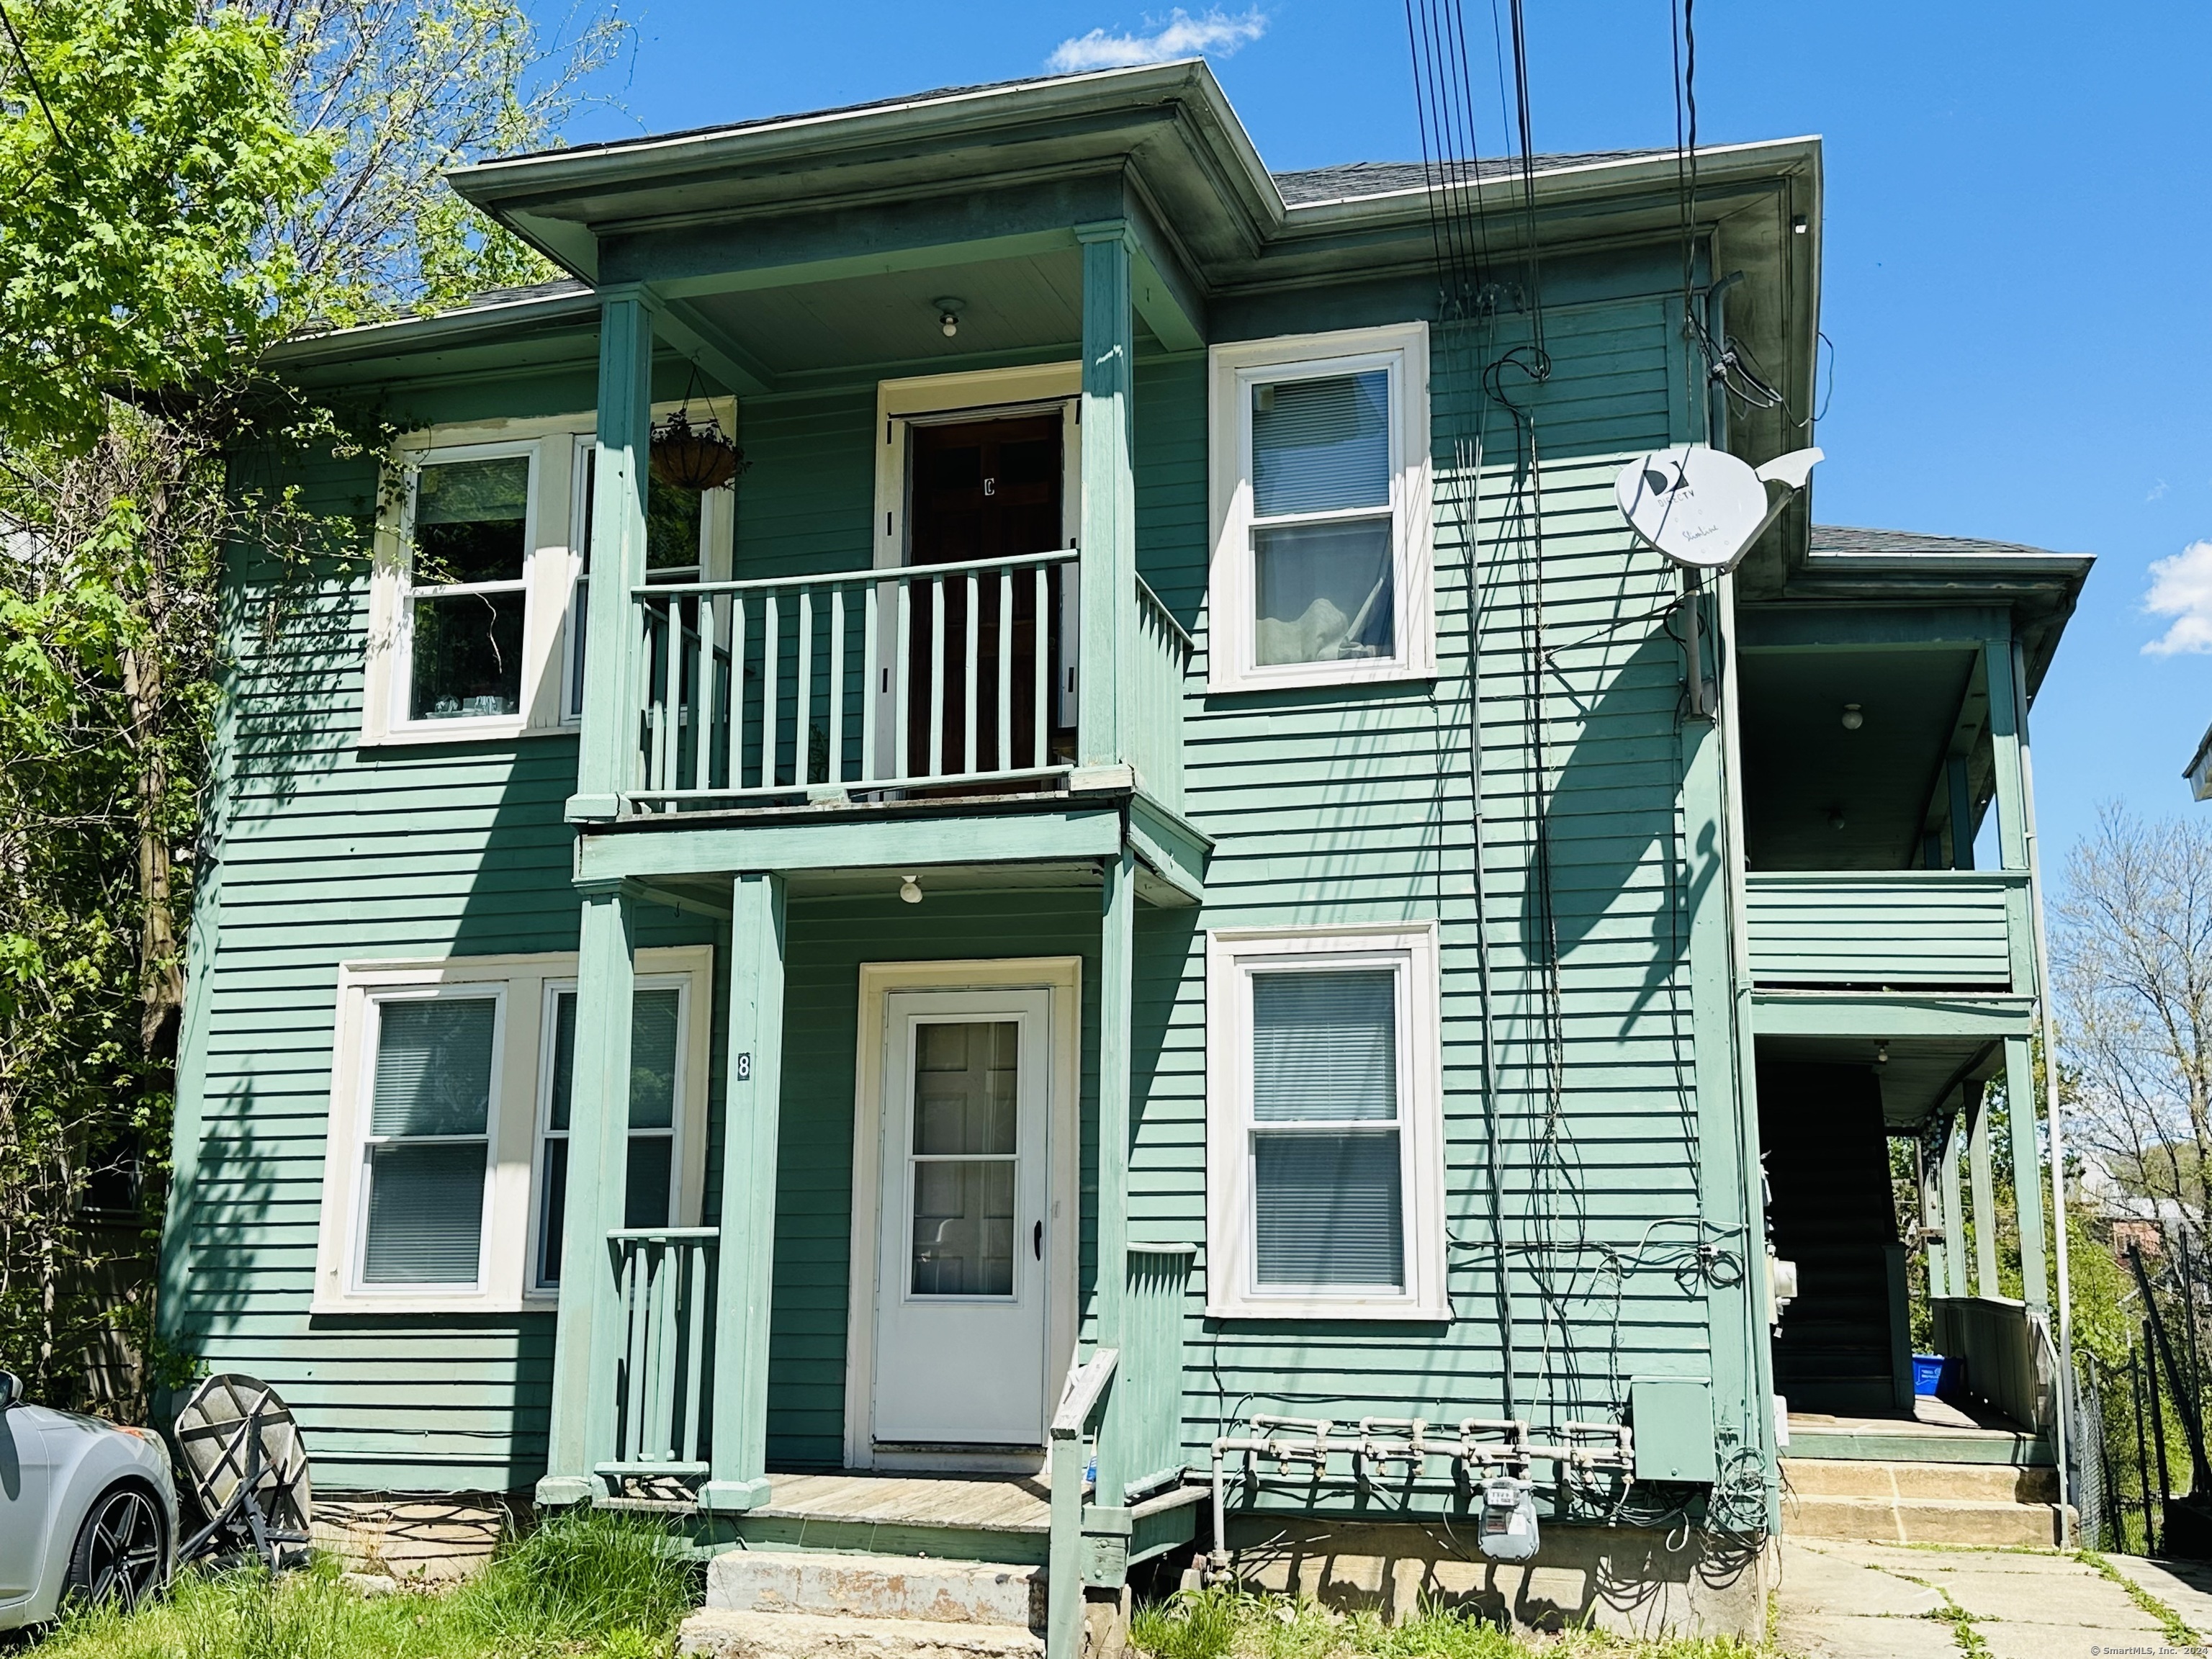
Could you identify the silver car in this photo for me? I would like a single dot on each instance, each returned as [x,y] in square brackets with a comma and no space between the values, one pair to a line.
[86,1508]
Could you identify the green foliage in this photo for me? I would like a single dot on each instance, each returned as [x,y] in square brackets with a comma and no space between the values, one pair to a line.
[585,1587]
[145,147]
[1222,1622]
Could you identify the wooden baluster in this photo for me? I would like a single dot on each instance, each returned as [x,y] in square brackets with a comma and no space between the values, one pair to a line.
[970,677]
[667,744]
[626,1446]
[802,743]
[702,689]
[903,681]
[1002,756]
[695,1406]
[1041,588]
[663,1350]
[936,750]
[836,684]
[734,734]
[871,667]
[771,650]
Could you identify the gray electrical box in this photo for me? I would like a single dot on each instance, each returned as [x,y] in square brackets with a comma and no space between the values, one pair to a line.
[1673,1417]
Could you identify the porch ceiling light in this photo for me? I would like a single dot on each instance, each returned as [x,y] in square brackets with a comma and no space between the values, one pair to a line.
[910,890]
[948,314]
[1852,718]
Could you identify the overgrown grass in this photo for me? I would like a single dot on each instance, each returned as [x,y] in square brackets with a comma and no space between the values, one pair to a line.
[596,1586]
[1224,1624]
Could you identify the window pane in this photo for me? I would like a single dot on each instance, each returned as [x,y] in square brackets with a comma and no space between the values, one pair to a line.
[470,521]
[433,1066]
[672,519]
[552,1210]
[425,1214]
[653,1059]
[1324,593]
[964,1087]
[963,1229]
[1327,1209]
[1320,444]
[468,656]
[649,1188]
[564,1082]
[1325,1046]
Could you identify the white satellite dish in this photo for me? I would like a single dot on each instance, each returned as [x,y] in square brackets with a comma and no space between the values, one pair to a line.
[1702,506]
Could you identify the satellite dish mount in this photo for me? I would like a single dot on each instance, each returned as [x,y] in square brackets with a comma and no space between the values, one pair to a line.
[1702,506]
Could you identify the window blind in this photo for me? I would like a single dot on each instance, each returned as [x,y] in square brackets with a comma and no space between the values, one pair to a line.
[425,1214]
[1325,1046]
[1327,1209]
[433,1066]
[1320,444]
[652,1058]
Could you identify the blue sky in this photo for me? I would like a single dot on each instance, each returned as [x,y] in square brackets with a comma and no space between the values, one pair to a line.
[2017,270]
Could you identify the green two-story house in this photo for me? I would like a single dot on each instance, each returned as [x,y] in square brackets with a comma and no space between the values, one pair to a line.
[1149,926]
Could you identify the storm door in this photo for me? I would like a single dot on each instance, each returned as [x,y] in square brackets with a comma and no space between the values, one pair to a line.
[963,1265]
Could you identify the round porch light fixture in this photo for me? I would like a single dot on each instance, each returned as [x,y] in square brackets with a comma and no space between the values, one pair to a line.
[688,456]
[910,890]
[1853,717]
[948,314]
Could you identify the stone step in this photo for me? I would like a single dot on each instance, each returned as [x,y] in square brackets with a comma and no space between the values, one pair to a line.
[731,1633]
[1987,1483]
[1926,1521]
[855,1586]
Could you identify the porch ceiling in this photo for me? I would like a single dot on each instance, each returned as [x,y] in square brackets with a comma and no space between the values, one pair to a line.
[1009,306]
[1918,1073]
[1801,766]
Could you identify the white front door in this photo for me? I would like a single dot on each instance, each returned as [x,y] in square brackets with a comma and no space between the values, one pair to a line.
[964,1262]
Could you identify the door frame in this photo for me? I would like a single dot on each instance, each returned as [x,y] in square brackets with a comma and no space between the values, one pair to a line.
[1062,978]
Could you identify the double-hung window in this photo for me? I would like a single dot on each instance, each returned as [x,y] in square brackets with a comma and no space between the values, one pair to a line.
[1324,1125]
[465,599]
[1321,565]
[446,1178]
[679,527]
[657,1088]
[425,1152]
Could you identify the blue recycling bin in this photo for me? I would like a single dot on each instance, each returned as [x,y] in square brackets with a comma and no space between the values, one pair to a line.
[1927,1373]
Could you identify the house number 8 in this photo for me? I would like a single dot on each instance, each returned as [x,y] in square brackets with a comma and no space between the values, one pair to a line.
[744,1068]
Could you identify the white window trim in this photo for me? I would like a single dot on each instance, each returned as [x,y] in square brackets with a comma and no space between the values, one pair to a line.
[1231,956]
[689,1129]
[1402,349]
[511,1201]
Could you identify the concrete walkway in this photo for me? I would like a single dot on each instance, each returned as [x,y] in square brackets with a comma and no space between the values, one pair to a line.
[1844,1600]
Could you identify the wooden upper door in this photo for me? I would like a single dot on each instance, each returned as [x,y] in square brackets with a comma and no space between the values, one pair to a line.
[982,489]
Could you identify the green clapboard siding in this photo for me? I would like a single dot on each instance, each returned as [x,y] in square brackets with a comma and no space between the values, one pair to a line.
[1356,804]
[1914,927]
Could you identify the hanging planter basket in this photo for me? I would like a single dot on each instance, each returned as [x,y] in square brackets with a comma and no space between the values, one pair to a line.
[694,457]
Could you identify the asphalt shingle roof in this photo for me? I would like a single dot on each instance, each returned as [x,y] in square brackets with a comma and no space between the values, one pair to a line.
[1349,179]
[1850,538]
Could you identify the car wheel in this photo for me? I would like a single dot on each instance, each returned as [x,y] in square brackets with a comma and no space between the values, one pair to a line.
[121,1550]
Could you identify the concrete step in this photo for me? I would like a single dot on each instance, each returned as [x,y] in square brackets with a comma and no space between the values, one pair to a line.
[1927,1521]
[731,1634]
[897,1586]
[1986,1483]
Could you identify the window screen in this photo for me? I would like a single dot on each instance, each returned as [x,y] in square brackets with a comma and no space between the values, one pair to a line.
[1322,584]
[1327,1165]
[428,1123]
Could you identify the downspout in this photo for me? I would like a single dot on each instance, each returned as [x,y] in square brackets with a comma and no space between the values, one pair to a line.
[2051,1111]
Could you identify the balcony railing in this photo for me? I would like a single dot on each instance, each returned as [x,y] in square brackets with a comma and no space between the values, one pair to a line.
[916,677]
[1904,930]
[665,1288]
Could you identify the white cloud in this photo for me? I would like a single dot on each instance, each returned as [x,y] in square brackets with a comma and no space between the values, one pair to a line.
[2181,587]
[1217,33]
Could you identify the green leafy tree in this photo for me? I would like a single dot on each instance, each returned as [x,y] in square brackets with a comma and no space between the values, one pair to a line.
[179,186]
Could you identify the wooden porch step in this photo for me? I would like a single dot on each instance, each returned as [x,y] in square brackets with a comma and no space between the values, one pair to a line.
[863,1586]
[1002,1518]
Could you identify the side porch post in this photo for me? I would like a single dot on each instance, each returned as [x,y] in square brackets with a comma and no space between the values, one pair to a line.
[1117,947]
[2026,1171]
[588,1333]
[1109,539]
[745,1289]
[1954,1214]
[1937,1240]
[1983,1196]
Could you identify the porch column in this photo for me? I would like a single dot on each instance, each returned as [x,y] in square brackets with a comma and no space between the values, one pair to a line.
[1116,953]
[2027,1170]
[606,752]
[746,1282]
[1962,814]
[1983,1195]
[1109,542]
[588,1335]
[1955,1216]
[1933,1156]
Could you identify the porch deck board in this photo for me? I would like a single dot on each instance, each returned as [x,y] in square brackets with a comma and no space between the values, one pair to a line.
[1936,1432]
[985,1503]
